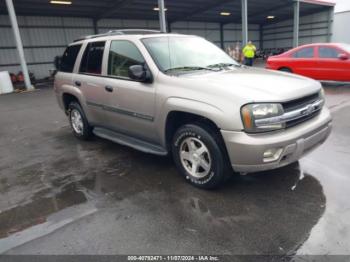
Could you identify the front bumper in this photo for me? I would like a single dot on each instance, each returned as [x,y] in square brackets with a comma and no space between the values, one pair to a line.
[246,151]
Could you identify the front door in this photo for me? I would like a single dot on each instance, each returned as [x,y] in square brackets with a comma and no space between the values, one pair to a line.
[131,104]
[331,66]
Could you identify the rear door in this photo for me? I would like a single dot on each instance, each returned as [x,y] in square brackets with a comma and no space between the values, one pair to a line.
[331,67]
[303,62]
[91,83]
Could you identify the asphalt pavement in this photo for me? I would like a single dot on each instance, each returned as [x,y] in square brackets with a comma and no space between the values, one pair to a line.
[59,195]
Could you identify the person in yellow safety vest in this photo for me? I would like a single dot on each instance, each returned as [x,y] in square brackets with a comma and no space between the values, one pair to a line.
[249,54]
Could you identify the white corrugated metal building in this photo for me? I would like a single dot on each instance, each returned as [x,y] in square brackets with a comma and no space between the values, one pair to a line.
[341,21]
[45,37]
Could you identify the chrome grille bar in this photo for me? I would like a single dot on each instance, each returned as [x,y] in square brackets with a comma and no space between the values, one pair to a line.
[292,115]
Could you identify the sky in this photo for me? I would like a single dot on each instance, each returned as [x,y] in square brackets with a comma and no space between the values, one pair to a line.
[342,5]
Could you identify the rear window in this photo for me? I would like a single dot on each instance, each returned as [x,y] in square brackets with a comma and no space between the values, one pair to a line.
[69,57]
[307,52]
[91,62]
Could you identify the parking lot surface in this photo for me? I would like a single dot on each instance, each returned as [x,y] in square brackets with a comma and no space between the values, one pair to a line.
[59,195]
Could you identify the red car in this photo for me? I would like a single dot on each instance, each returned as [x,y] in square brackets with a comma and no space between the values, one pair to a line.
[327,62]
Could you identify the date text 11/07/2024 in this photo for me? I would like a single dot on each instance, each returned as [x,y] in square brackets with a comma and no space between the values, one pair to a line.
[173,258]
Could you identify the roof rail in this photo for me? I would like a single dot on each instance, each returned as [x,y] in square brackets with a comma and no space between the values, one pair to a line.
[134,32]
[121,32]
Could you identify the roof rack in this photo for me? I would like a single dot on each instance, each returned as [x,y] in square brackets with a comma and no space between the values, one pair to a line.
[121,32]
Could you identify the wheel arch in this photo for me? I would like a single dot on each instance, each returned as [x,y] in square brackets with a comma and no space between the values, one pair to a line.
[68,98]
[179,112]
[285,67]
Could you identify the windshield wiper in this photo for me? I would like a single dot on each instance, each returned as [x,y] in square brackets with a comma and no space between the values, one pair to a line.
[223,65]
[190,68]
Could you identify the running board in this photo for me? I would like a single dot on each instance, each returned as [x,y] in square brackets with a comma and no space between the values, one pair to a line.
[132,142]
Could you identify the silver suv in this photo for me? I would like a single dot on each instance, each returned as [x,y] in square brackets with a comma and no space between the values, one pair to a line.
[181,95]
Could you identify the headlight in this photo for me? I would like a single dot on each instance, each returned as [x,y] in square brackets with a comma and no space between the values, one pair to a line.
[322,95]
[254,115]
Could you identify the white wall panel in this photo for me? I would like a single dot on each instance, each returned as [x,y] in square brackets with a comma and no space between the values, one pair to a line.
[39,21]
[232,35]
[43,36]
[179,24]
[36,32]
[212,35]
[210,31]
[45,54]
[6,38]
[11,69]
[313,28]
[72,34]
[212,26]
[340,33]
[110,23]
[197,32]
[8,56]
[232,26]
[4,20]
[74,21]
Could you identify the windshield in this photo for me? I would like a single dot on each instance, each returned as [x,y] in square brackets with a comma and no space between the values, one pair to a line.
[346,47]
[186,53]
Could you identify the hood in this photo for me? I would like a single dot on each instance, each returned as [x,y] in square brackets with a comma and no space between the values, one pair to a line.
[256,85]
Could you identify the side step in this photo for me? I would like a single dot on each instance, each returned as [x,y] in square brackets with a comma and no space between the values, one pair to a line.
[133,142]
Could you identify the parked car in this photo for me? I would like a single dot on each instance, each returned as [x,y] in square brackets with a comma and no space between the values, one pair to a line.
[182,95]
[327,62]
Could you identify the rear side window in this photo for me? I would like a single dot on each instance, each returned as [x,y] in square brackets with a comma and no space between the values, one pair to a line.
[69,57]
[91,62]
[307,52]
[328,52]
[122,55]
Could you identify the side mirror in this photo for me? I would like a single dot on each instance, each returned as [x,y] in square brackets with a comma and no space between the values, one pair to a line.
[140,73]
[343,57]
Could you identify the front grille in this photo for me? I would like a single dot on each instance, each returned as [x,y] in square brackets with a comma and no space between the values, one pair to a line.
[301,120]
[298,104]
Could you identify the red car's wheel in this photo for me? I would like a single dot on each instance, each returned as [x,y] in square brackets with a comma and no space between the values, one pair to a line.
[286,69]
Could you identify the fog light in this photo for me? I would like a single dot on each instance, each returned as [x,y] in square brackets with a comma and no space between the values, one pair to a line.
[272,154]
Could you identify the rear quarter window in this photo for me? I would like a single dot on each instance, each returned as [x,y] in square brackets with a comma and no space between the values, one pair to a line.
[69,57]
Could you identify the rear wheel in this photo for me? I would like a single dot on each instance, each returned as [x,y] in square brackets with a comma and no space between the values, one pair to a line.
[285,69]
[78,122]
[199,156]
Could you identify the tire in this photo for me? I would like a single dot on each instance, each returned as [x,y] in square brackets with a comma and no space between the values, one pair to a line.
[211,167]
[285,69]
[81,129]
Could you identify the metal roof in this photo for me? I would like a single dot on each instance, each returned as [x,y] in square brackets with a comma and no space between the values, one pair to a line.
[177,10]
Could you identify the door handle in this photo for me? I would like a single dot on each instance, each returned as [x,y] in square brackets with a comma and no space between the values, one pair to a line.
[109,88]
[77,83]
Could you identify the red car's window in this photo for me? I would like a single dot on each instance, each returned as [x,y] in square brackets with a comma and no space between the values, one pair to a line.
[307,52]
[328,52]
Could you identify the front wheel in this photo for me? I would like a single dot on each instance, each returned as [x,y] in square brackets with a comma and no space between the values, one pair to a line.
[200,156]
